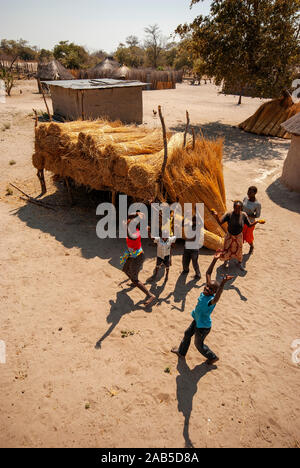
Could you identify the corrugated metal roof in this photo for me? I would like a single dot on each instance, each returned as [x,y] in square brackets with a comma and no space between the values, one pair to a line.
[95,84]
[292,125]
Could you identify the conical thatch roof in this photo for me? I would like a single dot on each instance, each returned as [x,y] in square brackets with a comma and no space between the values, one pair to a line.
[53,70]
[268,118]
[293,125]
[122,72]
[108,64]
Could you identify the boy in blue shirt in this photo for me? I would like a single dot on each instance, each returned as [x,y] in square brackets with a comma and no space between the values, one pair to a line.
[201,325]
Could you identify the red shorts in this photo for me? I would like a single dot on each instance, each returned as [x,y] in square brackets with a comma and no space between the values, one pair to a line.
[248,234]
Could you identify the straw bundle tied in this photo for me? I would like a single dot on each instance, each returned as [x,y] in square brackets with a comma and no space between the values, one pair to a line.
[128,159]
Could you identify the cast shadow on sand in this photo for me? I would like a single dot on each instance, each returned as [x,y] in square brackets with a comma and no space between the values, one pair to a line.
[240,145]
[235,271]
[122,306]
[283,197]
[75,228]
[187,383]
[180,293]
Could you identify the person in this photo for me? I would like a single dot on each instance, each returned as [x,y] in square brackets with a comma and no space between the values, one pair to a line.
[191,254]
[133,258]
[202,323]
[233,244]
[164,245]
[252,208]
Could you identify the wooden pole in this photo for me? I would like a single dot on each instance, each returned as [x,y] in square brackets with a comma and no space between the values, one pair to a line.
[186,128]
[165,147]
[40,174]
[36,118]
[44,97]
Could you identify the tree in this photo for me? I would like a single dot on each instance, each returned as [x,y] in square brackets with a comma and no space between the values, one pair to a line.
[71,55]
[132,56]
[248,44]
[153,44]
[18,49]
[132,41]
[8,78]
[45,55]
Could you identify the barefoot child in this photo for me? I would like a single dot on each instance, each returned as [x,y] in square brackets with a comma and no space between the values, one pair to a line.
[201,325]
[133,258]
[164,245]
[252,208]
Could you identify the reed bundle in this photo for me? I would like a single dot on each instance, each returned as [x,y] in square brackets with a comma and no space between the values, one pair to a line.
[128,159]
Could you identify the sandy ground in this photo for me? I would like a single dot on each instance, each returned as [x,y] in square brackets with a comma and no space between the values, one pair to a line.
[60,295]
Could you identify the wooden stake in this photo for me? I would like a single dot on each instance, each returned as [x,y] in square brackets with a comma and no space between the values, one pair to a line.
[165,147]
[40,174]
[32,200]
[36,118]
[44,97]
[186,128]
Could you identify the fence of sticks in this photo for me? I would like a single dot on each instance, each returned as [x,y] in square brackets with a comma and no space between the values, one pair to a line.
[144,164]
[156,79]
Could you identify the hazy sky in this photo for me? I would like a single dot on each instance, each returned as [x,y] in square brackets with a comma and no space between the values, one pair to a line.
[96,24]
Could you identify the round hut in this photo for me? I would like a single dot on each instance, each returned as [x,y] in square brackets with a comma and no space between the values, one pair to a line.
[291,169]
[122,73]
[106,69]
[52,71]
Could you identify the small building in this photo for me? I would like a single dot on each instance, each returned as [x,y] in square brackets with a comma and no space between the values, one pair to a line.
[93,99]
[291,169]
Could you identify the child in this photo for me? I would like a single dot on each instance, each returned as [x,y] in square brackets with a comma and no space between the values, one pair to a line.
[164,245]
[201,325]
[133,258]
[252,208]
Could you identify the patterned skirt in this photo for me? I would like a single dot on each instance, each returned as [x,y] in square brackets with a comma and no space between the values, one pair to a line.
[233,247]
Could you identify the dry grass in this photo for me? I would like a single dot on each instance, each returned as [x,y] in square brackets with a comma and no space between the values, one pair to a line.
[111,156]
[268,118]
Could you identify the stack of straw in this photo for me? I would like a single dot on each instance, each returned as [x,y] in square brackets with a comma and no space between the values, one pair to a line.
[268,118]
[128,159]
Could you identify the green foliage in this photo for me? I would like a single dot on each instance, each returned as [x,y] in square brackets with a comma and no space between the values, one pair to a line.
[131,56]
[8,79]
[71,55]
[251,44]
[18,49]
[45,55]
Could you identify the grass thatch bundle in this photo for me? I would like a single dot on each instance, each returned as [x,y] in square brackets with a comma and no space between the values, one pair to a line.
[268,118]
[128,159]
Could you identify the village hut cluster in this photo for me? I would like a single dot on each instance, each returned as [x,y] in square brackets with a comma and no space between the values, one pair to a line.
[111,156]
[110,69]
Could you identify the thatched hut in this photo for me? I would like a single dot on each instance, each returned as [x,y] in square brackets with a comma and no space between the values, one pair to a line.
[268,118]
[52,71]
[291,169]
[106,69]
[98,98]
